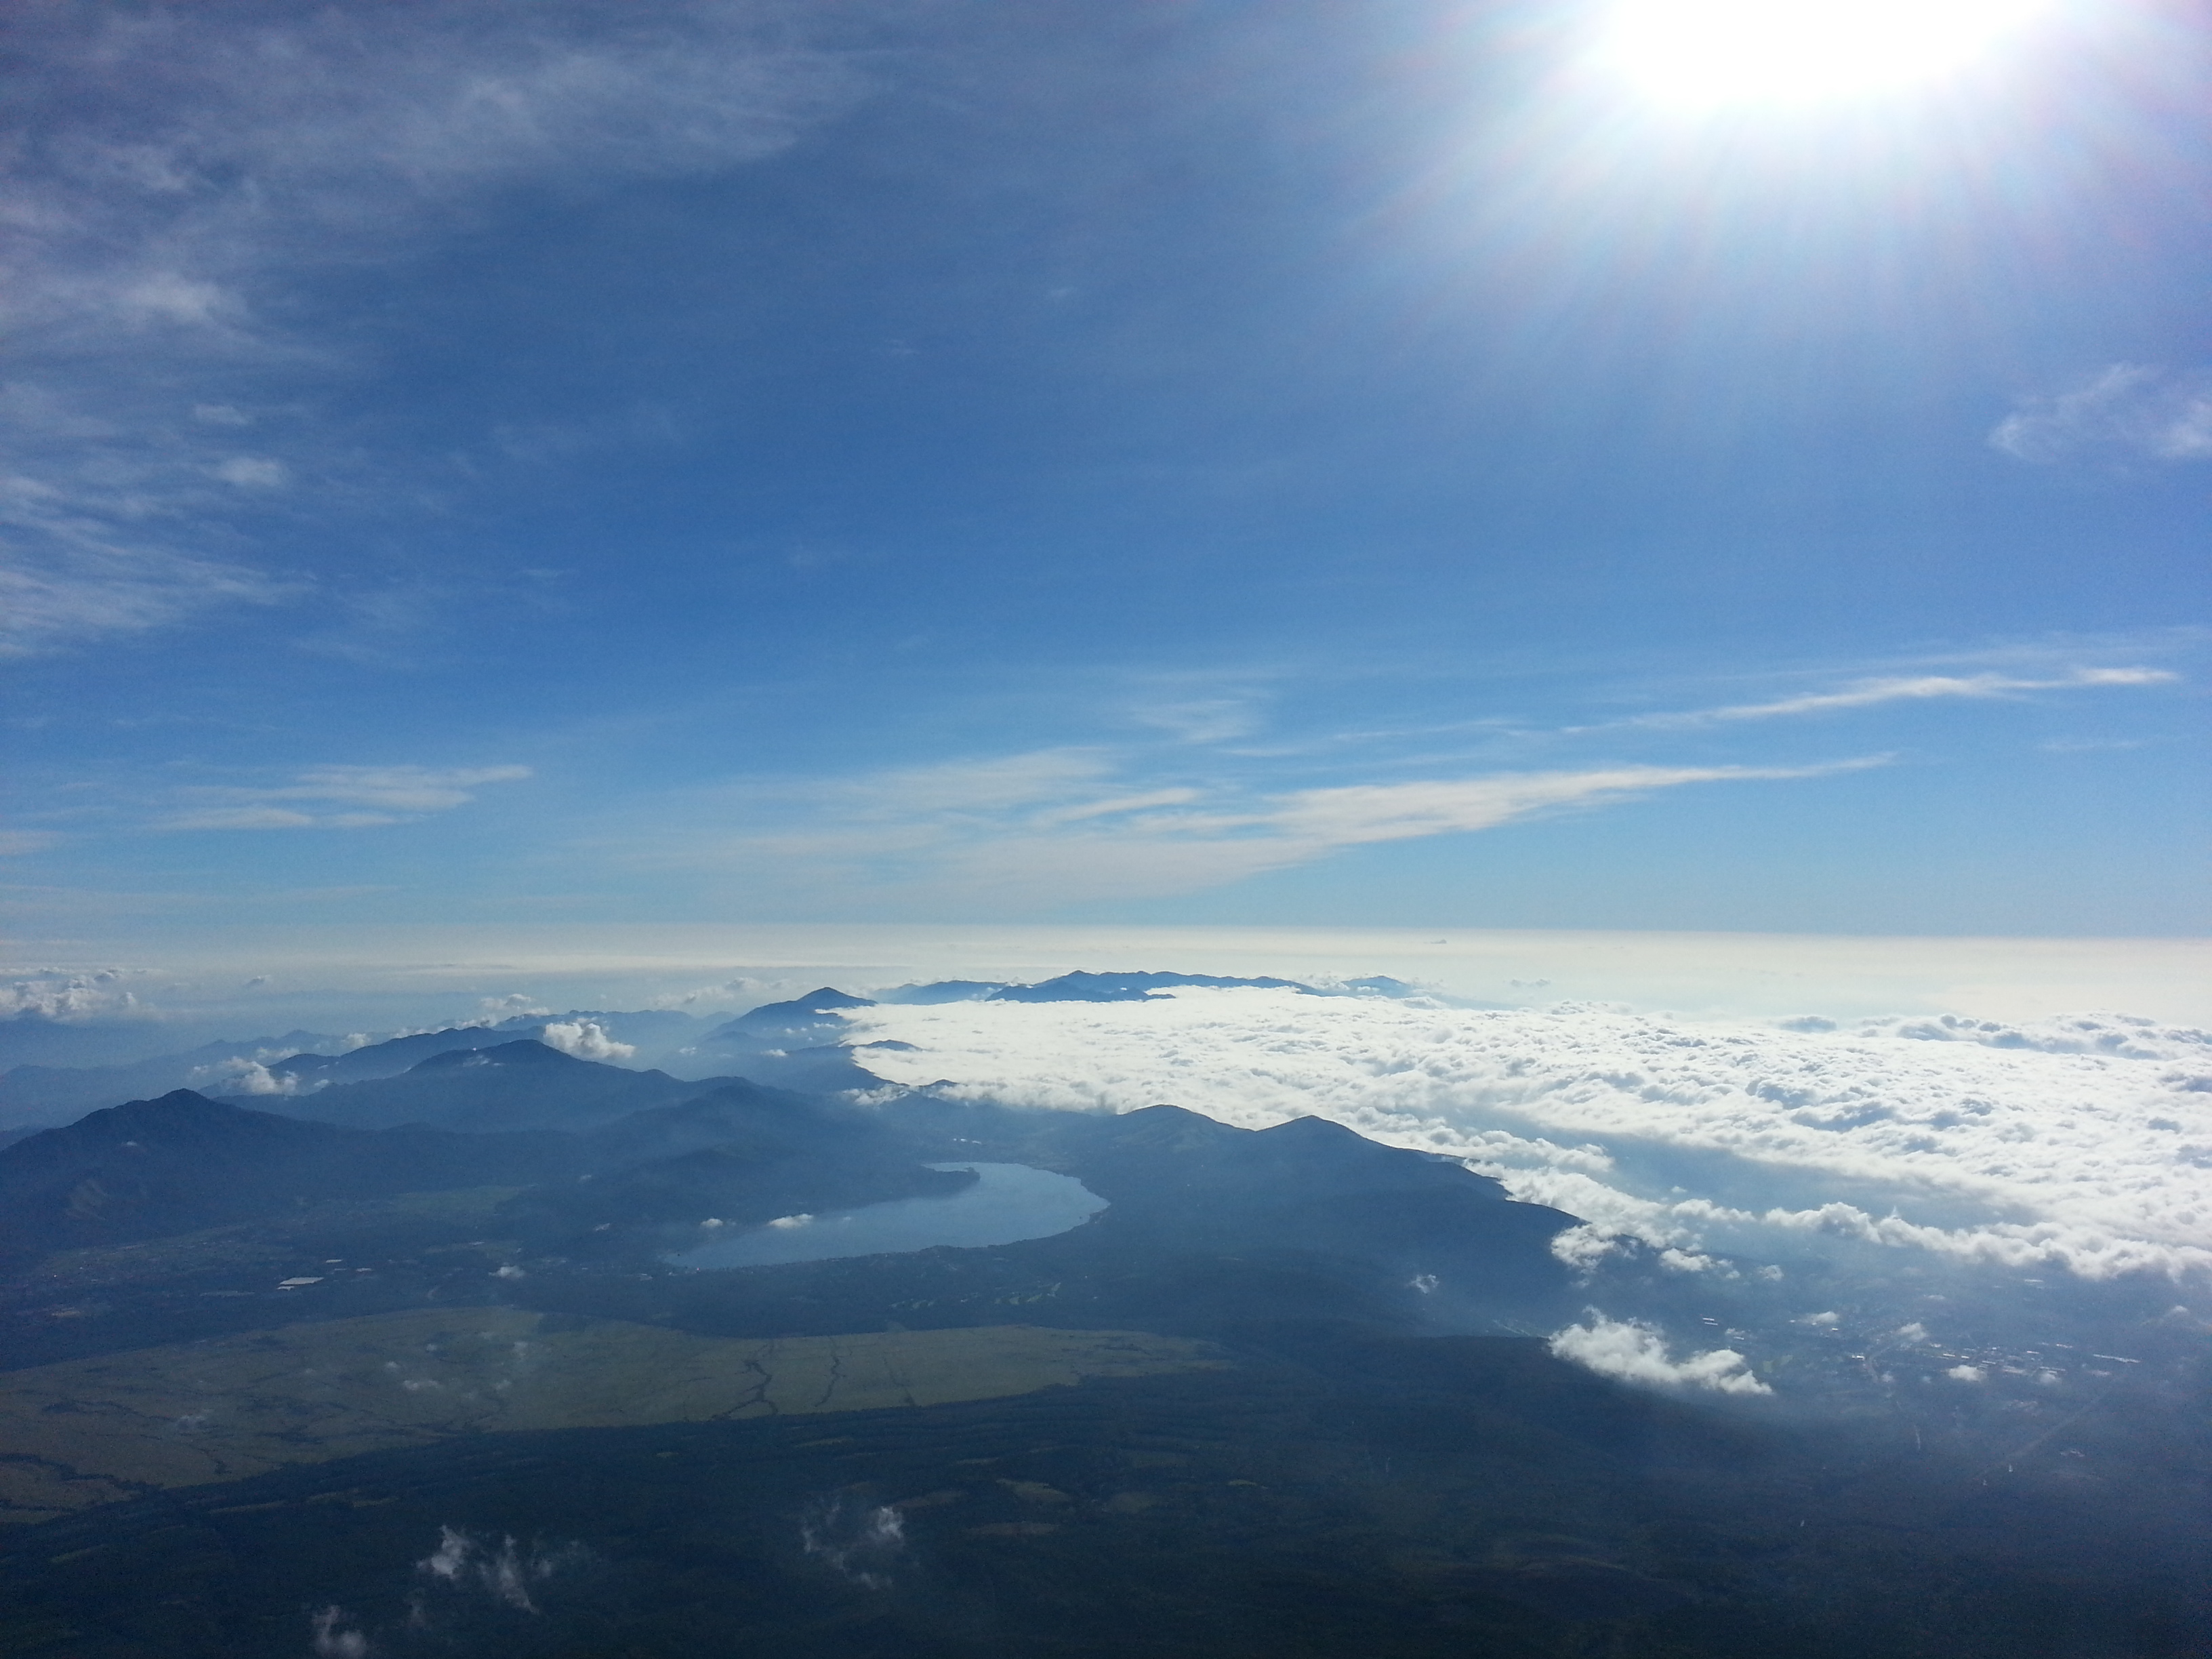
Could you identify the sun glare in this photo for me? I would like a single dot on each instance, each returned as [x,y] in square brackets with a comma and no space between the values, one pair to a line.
[1704,54]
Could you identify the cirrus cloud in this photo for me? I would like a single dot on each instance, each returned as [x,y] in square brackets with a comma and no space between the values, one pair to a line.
[186,173]
[1060,826]
[365,797]
[1914,687]
[2128,410]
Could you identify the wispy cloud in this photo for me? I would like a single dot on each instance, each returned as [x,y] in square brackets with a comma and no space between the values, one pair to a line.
[194,166]
[1045,828]
[339,798]
[1061,826]
[1911,688]
[1202,719]
[81,559]
[2127,410]
[1329,818]
[1115,806]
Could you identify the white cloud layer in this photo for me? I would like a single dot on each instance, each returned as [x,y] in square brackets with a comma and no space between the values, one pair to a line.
[2127,410]
[366,796]
[2081,1143]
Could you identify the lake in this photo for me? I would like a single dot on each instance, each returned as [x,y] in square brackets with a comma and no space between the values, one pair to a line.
[1007,1202]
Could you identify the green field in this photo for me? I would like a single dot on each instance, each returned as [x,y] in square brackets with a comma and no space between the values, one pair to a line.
[95,1431]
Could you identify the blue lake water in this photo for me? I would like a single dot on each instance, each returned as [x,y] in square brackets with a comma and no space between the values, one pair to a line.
[1007,1202]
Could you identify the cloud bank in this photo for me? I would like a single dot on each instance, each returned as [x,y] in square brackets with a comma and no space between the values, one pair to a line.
[2081,1144]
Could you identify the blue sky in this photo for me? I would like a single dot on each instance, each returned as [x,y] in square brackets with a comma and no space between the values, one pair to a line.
[1298,464]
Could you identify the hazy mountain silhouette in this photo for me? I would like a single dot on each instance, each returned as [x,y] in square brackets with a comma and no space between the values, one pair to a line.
[516,1085]
[54,1094]
[379,1060]
[185,1162]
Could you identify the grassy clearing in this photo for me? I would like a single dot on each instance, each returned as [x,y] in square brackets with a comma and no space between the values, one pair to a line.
[95,1431]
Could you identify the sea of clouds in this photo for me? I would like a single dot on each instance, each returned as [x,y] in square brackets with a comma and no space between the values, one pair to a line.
[2081,1144]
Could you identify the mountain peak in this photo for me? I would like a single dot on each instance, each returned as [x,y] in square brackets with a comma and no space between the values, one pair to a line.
[825,998]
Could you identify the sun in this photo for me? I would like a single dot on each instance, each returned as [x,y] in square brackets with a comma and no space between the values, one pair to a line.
[1708,53]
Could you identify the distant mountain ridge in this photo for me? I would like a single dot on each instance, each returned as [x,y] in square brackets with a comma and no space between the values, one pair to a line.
[183,1162]
[380,1059]
[799,1043]
[518,1083]
[38,1094]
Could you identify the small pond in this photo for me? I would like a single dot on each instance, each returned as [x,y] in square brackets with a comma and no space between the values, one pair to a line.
[1007,1202]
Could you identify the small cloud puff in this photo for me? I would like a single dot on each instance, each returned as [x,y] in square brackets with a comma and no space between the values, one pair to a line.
[1584,1247]
[2126,410]
[1637,1353]
[70,997]
[507,1573]
[858,1541]
[241,1076]
[330,1640]
[586,1039]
